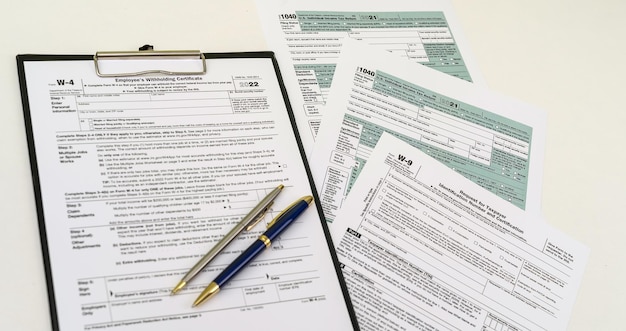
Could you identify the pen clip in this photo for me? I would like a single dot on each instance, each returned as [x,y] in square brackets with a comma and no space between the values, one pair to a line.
[259,217]
[282,212]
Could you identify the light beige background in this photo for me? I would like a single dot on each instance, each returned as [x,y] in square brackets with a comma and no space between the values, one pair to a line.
[567,57]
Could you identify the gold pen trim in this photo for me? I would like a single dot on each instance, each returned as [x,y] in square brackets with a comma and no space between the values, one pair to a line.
[265,240]
[306,198]
[207,294]
[178,287]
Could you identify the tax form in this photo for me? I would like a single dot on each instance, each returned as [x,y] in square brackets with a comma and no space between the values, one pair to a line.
[307,36]
[138,177]
[424,248]
[496,142]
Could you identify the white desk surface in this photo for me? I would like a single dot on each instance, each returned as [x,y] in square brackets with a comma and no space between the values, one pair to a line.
[567,57]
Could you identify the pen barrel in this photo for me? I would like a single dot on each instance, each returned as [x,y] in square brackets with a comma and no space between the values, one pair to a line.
[286,219]
[240,262]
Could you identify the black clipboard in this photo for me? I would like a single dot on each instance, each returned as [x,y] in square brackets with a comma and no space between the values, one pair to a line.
[51,262]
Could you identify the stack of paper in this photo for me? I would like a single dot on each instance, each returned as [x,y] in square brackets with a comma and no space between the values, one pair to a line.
[431,182]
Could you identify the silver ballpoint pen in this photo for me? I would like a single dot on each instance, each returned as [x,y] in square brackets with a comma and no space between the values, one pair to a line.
[248,222]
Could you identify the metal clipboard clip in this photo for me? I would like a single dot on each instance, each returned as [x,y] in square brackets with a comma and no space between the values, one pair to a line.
[100,57]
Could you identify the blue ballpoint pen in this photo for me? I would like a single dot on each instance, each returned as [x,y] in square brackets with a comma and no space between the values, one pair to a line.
[275,227]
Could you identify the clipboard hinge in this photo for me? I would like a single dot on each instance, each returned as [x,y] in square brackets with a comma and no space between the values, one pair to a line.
[149,54]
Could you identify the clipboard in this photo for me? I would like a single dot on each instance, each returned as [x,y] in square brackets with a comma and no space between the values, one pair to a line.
[137,173]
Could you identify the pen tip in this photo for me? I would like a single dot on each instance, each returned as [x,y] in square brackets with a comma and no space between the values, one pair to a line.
[197,302]
[208,292]
[178,287]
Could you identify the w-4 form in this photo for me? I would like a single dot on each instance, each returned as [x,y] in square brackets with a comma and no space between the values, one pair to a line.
[140,175]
